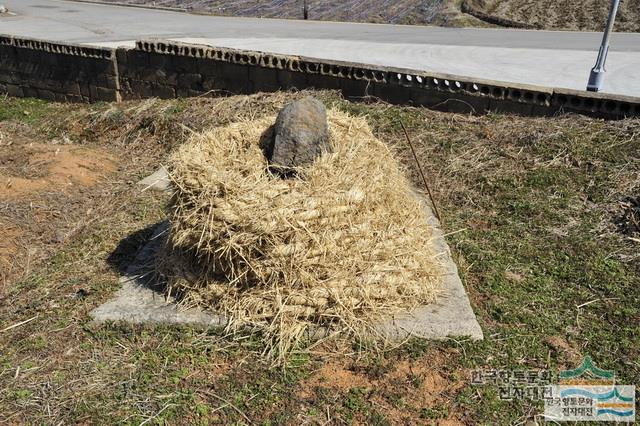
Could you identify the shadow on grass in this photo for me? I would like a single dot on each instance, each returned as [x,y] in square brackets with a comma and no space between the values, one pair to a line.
[128,249]
[136,256]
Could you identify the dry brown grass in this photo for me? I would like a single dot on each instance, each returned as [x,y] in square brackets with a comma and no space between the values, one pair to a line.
[586,15]
[342,245]
[537,199]
[394,12]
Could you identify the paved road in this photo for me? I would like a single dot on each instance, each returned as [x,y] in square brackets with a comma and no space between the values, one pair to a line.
[560,59]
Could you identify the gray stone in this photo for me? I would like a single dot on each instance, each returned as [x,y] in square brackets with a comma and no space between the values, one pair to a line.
[14,90]
[189,80]
[107,95]
[301,134]
[164,92]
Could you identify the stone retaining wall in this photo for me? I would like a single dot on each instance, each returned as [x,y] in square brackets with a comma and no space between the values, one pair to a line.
[169,69]
[57,71]
[157,68]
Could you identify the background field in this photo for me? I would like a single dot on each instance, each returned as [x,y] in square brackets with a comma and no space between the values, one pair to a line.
[583,15]
[380,11]
[586,15]
[542,215]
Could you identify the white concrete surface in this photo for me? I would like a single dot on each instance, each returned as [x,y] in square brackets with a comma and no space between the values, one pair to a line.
[158,181]
[556,59]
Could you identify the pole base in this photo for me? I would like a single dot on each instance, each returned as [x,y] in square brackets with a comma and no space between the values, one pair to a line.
[596,78]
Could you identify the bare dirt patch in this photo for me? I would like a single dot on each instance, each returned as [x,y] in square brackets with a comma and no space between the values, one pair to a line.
[26,169]
[333,375]
[404,389]
[46,193]
[564,349]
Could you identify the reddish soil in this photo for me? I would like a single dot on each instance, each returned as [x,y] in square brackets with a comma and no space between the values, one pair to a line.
[420,383]
[27,169]
[39,185]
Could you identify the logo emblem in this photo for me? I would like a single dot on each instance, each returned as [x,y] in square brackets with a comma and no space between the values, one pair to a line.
[589,393]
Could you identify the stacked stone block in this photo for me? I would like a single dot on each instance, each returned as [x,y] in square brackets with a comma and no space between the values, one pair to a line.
[57,72]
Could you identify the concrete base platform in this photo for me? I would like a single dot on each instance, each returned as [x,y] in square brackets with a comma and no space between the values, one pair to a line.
[158,181]
[450,316]
[142,300]
[138,301]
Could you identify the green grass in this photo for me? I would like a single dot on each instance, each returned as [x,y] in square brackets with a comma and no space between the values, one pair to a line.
[25,110]
[531,205]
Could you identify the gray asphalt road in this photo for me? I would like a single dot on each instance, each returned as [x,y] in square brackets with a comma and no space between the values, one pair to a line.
[560,59]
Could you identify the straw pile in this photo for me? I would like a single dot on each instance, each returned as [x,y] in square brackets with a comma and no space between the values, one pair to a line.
[343,245]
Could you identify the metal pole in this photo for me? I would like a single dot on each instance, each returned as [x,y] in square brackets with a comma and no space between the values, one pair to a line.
[306,10]
[597,72]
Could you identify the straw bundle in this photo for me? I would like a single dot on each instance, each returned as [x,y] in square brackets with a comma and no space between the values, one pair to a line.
[343,245]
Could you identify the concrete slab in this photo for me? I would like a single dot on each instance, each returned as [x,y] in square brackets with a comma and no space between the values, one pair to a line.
[140,300]
[129,44]
[450,316]
[158,181]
